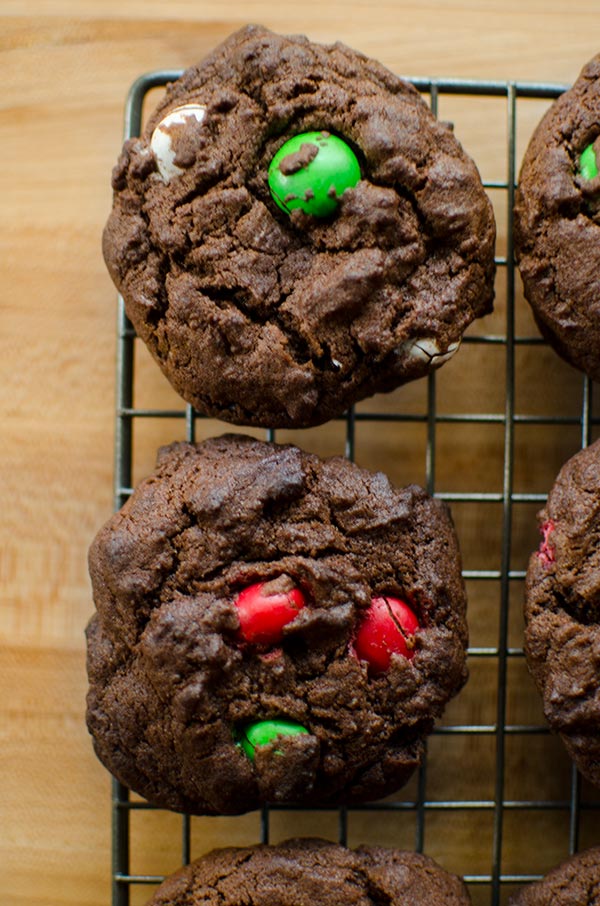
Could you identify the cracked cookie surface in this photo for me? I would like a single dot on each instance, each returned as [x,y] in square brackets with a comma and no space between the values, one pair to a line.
[261,318]
[575,882]
[557,224]
[175,681]
[562,610]
[311,870]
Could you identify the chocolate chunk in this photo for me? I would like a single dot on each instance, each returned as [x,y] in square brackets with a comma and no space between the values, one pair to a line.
[291,163]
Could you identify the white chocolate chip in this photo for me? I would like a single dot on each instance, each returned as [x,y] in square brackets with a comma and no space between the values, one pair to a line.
[161,141]
[426,349]
[141,149]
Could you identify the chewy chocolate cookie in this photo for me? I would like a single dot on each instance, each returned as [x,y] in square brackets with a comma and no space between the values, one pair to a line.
[557,223]
[312,871]
[294,231]
[562,610]
[271,627]
[575,882]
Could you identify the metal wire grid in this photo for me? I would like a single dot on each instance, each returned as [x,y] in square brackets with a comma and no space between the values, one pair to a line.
[420,805]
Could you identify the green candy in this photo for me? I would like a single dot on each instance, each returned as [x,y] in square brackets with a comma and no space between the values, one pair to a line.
[588,165]
[264,731]
[311,171]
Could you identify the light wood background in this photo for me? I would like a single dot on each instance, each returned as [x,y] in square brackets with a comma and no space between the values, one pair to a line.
[66,67]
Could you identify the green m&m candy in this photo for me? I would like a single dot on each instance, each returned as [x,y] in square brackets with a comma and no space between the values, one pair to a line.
[588,165]
[311,171]
[265,731]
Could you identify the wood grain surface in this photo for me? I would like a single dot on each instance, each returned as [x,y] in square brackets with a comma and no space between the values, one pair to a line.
[66,68]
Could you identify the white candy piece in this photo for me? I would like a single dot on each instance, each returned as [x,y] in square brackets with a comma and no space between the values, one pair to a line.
[426,349]
[161,141]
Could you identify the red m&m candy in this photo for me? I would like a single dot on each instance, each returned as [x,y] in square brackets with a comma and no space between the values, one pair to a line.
[546,548]
[388,627]
[265,608]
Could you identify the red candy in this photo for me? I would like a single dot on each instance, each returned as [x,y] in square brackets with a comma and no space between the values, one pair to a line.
[546,550]
[263,613]
[387,628]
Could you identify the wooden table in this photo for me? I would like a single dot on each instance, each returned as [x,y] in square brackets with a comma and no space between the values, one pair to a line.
[66,69]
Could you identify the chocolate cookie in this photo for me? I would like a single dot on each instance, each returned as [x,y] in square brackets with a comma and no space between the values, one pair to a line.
[557,223]
[271,627]
[312,871]
[562,610]
[276,284]
[576,882]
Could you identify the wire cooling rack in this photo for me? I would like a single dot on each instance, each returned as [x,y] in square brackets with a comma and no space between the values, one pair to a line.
[496,800]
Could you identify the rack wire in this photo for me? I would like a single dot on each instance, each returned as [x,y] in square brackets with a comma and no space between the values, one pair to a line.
[534,809]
